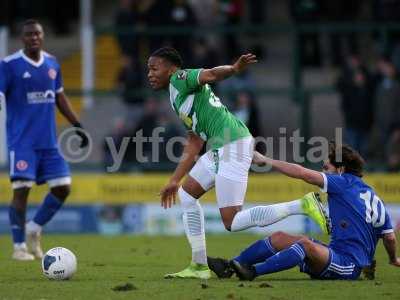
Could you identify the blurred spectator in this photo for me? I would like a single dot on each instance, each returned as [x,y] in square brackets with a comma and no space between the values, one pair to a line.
[233,11]
[61,13]
[182,16]
[131,81]
[232,86]
[172,130]
[151,120]
[387,105]
[5,9]
[206,11]
[125,20]
[245,109]
[395,57]
[117,134]
[203,55]
[307,12]
[258,17]
[387,11]
[393,152]
[356,90]
[156,14]
[342,43]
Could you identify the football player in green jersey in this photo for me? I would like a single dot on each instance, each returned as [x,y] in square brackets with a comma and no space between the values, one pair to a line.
[225,165]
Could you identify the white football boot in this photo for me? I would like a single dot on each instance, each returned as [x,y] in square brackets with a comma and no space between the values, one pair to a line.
[21,253]
[33,241]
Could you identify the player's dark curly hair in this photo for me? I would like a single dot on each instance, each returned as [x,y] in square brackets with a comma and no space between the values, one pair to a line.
[30,22]
[170,54]
[349,158]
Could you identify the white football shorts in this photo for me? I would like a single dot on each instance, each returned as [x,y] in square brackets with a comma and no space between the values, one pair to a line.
[226,168]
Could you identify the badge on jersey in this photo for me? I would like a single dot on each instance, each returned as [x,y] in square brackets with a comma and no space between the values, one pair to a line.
[52,74]
[182,75]
[21,165]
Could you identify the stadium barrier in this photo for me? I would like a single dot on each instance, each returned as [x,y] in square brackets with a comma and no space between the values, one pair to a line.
[144,188]
[116,204]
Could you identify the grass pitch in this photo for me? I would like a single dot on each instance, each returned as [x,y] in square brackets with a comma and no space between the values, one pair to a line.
[130,267]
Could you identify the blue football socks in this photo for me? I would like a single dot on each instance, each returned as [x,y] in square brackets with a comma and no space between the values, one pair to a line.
[47,210]
[256,253]
[17,222]
[283,260]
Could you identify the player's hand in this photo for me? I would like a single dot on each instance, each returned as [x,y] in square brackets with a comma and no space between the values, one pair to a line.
[369,271]
[168,194]
[395,262]
[259,159]
[243,62]
[82,134]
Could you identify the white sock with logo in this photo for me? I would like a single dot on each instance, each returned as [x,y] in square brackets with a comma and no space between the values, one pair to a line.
[265,215]
[193,222]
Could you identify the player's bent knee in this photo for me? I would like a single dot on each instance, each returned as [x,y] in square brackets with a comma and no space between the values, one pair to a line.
[278,235]
[228,227]
[227,220]
[61,192]
[187,201]
[308,245]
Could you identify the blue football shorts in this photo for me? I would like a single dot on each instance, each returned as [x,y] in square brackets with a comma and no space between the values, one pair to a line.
[339,266]
[38,165]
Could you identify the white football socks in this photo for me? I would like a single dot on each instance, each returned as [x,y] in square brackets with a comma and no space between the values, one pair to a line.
[32,227]
[193,222]
[20,246]
[265,215]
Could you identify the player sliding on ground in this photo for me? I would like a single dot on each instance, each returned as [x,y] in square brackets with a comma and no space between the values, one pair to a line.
[358,218]
[224,166]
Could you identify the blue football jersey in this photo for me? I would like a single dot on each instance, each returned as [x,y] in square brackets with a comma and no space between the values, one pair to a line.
[358,217]
[30,89]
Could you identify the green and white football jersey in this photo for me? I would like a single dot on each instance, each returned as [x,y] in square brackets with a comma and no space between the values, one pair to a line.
[202,112]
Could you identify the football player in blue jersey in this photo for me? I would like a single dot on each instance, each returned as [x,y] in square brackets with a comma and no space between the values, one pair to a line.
[358,217]
[31,86]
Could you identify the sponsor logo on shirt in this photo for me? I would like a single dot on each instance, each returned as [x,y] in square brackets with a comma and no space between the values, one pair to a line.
[182,75]
[41,97]
[22,165]
[26,75]
[52,74]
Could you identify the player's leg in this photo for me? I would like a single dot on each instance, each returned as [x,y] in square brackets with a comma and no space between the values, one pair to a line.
[17,213]
[316,255]
[53,170]
[231,184]
[22,174]
[265,215]
[199,181]
[262,249]
[257,252]
[230,197]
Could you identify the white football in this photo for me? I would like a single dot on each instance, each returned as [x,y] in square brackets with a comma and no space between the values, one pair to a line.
[59,263]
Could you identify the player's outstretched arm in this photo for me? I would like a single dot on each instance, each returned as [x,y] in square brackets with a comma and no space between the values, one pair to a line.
[222,72]
[190,151]
[65,107]
[389,241]
[289,169]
